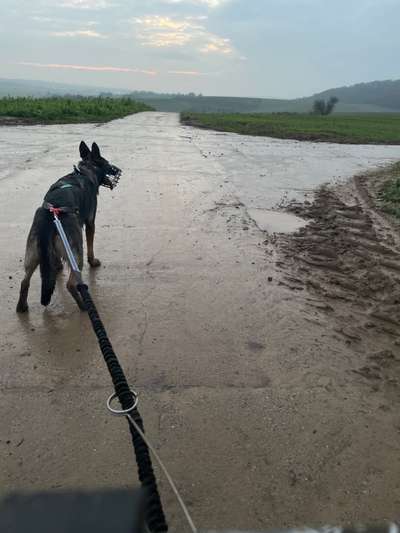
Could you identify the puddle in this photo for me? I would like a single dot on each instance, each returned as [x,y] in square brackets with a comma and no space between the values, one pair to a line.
[276,221]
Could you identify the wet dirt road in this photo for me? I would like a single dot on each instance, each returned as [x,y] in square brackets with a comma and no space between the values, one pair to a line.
[252,402]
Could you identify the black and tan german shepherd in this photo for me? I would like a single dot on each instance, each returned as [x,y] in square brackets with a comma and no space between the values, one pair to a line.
[76,196]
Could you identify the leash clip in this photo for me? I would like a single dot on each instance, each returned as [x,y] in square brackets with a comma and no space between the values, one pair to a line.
[55,210]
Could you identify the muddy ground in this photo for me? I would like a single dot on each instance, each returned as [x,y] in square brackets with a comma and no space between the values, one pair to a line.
[347,258]
[267,363]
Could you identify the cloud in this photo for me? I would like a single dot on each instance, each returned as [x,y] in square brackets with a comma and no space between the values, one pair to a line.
[166,23]
[46,20]
[166,32]
[186,72]
[91,68]
[87,4]
[207,3]
[88,68]
[78,33]
[217,45]
[164,39]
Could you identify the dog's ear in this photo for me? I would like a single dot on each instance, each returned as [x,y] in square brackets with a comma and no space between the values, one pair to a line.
[84,150]
[96,151]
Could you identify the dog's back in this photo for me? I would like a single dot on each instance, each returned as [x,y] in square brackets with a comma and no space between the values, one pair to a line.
[75,193]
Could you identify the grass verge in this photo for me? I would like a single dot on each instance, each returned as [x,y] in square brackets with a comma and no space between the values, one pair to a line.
[389,195]
[66,109]
[373,128]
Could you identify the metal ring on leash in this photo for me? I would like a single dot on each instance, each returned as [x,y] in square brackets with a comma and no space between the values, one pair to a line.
[122,411]
[140,431]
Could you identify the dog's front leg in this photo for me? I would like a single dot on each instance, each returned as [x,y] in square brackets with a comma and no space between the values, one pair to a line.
[90,228]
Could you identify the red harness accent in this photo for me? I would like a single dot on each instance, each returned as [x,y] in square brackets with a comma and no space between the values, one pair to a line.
[55,210]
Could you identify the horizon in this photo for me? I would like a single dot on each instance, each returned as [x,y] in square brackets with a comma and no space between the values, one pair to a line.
[212,47]
[128,91]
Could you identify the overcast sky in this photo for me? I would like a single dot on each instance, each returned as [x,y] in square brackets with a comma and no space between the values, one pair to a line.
[266,48]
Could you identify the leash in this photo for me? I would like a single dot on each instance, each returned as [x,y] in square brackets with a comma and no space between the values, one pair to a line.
[128,399]
[71,258]
[155,517]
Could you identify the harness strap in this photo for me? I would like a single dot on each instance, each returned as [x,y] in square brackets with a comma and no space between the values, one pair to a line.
[58,210]
[55,210]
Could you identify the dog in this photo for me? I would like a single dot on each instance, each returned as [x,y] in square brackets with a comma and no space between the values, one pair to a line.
[75,196]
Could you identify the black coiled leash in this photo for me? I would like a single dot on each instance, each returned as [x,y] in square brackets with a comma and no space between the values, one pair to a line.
[155,517]
[154,514]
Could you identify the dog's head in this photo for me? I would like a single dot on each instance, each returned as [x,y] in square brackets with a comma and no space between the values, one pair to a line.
[107,174]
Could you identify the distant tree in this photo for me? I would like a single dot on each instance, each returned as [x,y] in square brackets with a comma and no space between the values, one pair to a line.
[320,107]
[330,105]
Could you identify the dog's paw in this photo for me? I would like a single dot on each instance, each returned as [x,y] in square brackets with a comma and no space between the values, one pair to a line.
[22,308]
[94,263]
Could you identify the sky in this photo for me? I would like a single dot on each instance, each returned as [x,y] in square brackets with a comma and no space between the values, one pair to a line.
[259,48]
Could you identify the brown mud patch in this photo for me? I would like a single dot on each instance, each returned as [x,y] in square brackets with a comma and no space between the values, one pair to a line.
[347,262]
[19,121]
[14,121]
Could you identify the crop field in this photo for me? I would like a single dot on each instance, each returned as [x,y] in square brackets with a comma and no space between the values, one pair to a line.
[390,192]
[67,109]
[371,128]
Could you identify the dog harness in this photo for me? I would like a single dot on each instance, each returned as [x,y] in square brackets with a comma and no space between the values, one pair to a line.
[63,185]
[65,209]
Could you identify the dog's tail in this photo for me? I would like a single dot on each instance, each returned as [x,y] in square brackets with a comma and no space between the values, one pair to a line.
[48,273]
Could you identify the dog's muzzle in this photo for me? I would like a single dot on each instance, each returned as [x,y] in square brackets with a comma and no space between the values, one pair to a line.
[111,179]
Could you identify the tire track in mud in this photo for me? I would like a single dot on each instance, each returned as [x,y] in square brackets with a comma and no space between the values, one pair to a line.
[348,259]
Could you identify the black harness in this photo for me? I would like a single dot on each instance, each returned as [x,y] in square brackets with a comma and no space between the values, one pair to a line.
[109,180]
[64,184]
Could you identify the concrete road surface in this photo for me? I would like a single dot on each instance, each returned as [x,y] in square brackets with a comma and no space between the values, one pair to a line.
[251,403]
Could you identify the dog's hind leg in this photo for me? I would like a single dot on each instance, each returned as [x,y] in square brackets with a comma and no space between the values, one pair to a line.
[74,279]
[58,265]
[73,232]
[90,229]
[31,263]
[72,283]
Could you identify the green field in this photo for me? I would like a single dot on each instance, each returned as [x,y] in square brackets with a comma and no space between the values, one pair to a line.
[226,104]
[352,128]
[390,193]
[67,109]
